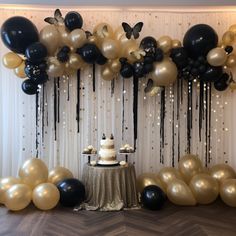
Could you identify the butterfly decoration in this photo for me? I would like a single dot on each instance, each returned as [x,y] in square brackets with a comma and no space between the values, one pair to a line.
[132,31]
[56,20]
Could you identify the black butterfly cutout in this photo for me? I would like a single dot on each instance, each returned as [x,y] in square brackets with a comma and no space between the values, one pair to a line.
[132,31]
[56,20]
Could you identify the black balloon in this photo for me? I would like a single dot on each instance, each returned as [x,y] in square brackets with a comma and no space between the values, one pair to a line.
[179,57]
[148,67]
[126,70]
[148,44]
[222,83]
[73,20]
[138,68]
[159,54]
[212,74]
[29,87]
[101,60]
[36,52]
[153,198]
[89,53]
[199,40]
[229,49]
[35,70]
[62,56]
[18,33]
[72,192]
[40,79]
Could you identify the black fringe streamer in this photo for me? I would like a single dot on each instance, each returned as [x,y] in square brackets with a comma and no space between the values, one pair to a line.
[68,89]
[209,127]
[78,100]
[173,132]
[112,87]
[94,76]
[135,109]
[189,116]
[43,110]
[201,109]
[162,126]
[123,109]
[55,109]
[179,81]
[36,123]
[58,99]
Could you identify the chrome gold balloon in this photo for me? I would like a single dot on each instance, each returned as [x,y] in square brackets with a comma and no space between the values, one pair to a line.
[176,43]
[75,61]
[228,192]
[221,172]
[217,56]
[107,73]
[55,68]
[59,173]
[11,60]
[77,38]
[231,61]
[204,188]
[115,65]
[228,38]
[20,71]
[165,43]
[110,48]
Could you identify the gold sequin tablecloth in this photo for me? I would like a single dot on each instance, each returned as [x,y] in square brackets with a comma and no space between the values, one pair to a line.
[110,188]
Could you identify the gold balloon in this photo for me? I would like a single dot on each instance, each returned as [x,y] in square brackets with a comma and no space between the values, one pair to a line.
[59,173]
[119,32]
[68,70]
[228,38]
[168,174]
[107,73]
[33,172]
[77,38]
[124,41]
[64,38]
[165,43]
[93,39]
[115,65]
[110,48]
[228,192]
[233,29]
[222,171]
[55,68]
[46,196]
[5,184]
[164,73]
[176,43]
[232,86]
[204,188]
[103,30]
[128,49]
[75,61]
[231,61]
[49,36]
[217,56]
[179,193]
[18,197]
[11,60]
[20,70]
[147,179]
[190,165]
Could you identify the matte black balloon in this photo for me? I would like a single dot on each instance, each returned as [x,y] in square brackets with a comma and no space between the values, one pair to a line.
[199,40]
[40,79]
[153,198]
[101,60]
[29,87]
[148,67]
[72,192]
[36,52]
[212,74]
[126,70]
[148,59]
[18,33]
[159,55]
[138,68]
[221,84]
[89,53]
[73,20]
[229,49]
[179,57]
[202,69]
[194,72]
[33,70]
[148,44]
[62,56]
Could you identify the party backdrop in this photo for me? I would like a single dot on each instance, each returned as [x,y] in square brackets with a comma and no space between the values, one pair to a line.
[109,109]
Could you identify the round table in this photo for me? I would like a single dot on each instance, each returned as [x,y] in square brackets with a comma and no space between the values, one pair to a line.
[110,188]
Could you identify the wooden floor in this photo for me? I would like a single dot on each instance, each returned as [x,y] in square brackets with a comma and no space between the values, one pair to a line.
[215,219]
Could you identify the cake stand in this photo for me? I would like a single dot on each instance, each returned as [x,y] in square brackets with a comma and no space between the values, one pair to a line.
[126,154]
[89,156]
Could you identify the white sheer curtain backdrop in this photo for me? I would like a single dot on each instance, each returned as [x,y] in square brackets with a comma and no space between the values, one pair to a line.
[101,112]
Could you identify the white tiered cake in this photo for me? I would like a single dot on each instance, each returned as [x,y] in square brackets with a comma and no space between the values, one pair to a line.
[107,153]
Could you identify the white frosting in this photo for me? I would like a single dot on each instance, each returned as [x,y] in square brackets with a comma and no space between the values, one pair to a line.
[107,142]
[107,153]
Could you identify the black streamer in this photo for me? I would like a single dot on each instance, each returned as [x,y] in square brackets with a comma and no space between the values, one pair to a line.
[173,133]
[206,125]
[178,112]
[78,100]
[55,108]
[68,89]
[135,109]
[36,123]
[162,125]
[94,81]
[58,99]
[43,110]
[189,116]
[201,109]
[123,110]
[112,87]
[209,127]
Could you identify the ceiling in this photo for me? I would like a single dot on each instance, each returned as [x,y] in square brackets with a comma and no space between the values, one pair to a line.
[135,3]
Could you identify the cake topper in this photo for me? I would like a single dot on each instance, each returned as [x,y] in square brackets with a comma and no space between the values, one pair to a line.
[111,137]
[103,136]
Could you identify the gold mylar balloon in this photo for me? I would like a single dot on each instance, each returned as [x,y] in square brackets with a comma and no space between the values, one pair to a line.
[50,37]
[45,196]
[5,184]
[204,188]
[233,29]
[164,73]
[64,38]
[59,173]
[222,171]
[228,192]
[103,30]
[115,65]
[11,60]
[179,193]
[33,172]
[18,197]
[77,38]
[110,48]
[147,179]
[190,165]
[228,38]
[20,70]
[75,61]
[176,43]
[168,174]
[107,73]
[231,61]
[217,56]
[55,68]
[165,43]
